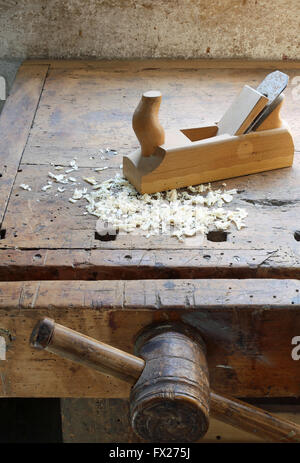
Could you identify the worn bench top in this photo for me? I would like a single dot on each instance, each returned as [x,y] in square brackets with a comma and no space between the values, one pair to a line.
[58,110]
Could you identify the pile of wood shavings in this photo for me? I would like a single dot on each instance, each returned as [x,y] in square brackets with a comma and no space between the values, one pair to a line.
[180,213]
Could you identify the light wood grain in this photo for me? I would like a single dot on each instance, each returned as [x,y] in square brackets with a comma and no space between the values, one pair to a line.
[273,120]
[145,123]
[207,160]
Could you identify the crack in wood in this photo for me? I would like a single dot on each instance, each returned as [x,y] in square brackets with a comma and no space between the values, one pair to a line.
[267,258]
[271,202]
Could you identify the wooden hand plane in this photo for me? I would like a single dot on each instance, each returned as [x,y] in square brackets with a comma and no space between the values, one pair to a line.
[251,137]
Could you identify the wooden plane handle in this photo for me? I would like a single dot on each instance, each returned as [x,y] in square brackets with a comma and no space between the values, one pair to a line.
[145,123]
[94,354]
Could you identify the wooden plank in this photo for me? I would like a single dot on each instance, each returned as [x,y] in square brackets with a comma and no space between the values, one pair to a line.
[15,122]
[106,420]
[161,63]
[247,325]
[133,264]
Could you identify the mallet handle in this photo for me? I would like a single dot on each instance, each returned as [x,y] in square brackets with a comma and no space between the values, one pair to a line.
[82,349]
[89,352]
[253,419]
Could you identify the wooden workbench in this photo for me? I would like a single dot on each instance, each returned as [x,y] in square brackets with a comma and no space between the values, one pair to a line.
[242,291]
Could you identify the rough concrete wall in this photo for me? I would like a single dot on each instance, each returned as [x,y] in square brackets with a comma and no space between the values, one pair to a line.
[150,28]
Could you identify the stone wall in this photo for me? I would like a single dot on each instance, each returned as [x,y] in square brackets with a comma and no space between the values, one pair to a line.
[111,29]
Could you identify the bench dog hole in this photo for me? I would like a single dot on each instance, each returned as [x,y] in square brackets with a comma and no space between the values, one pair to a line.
[106,234]
[217,236]
[297,235]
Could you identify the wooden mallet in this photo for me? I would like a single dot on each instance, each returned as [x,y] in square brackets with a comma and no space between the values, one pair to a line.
[170,399]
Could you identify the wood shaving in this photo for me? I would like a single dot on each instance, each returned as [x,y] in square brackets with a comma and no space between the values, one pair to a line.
[111,150]
[180,213]
[90,180]
[46,187]
[25,187]
[73,166]
[99,169]
[60,178]
[79,193]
